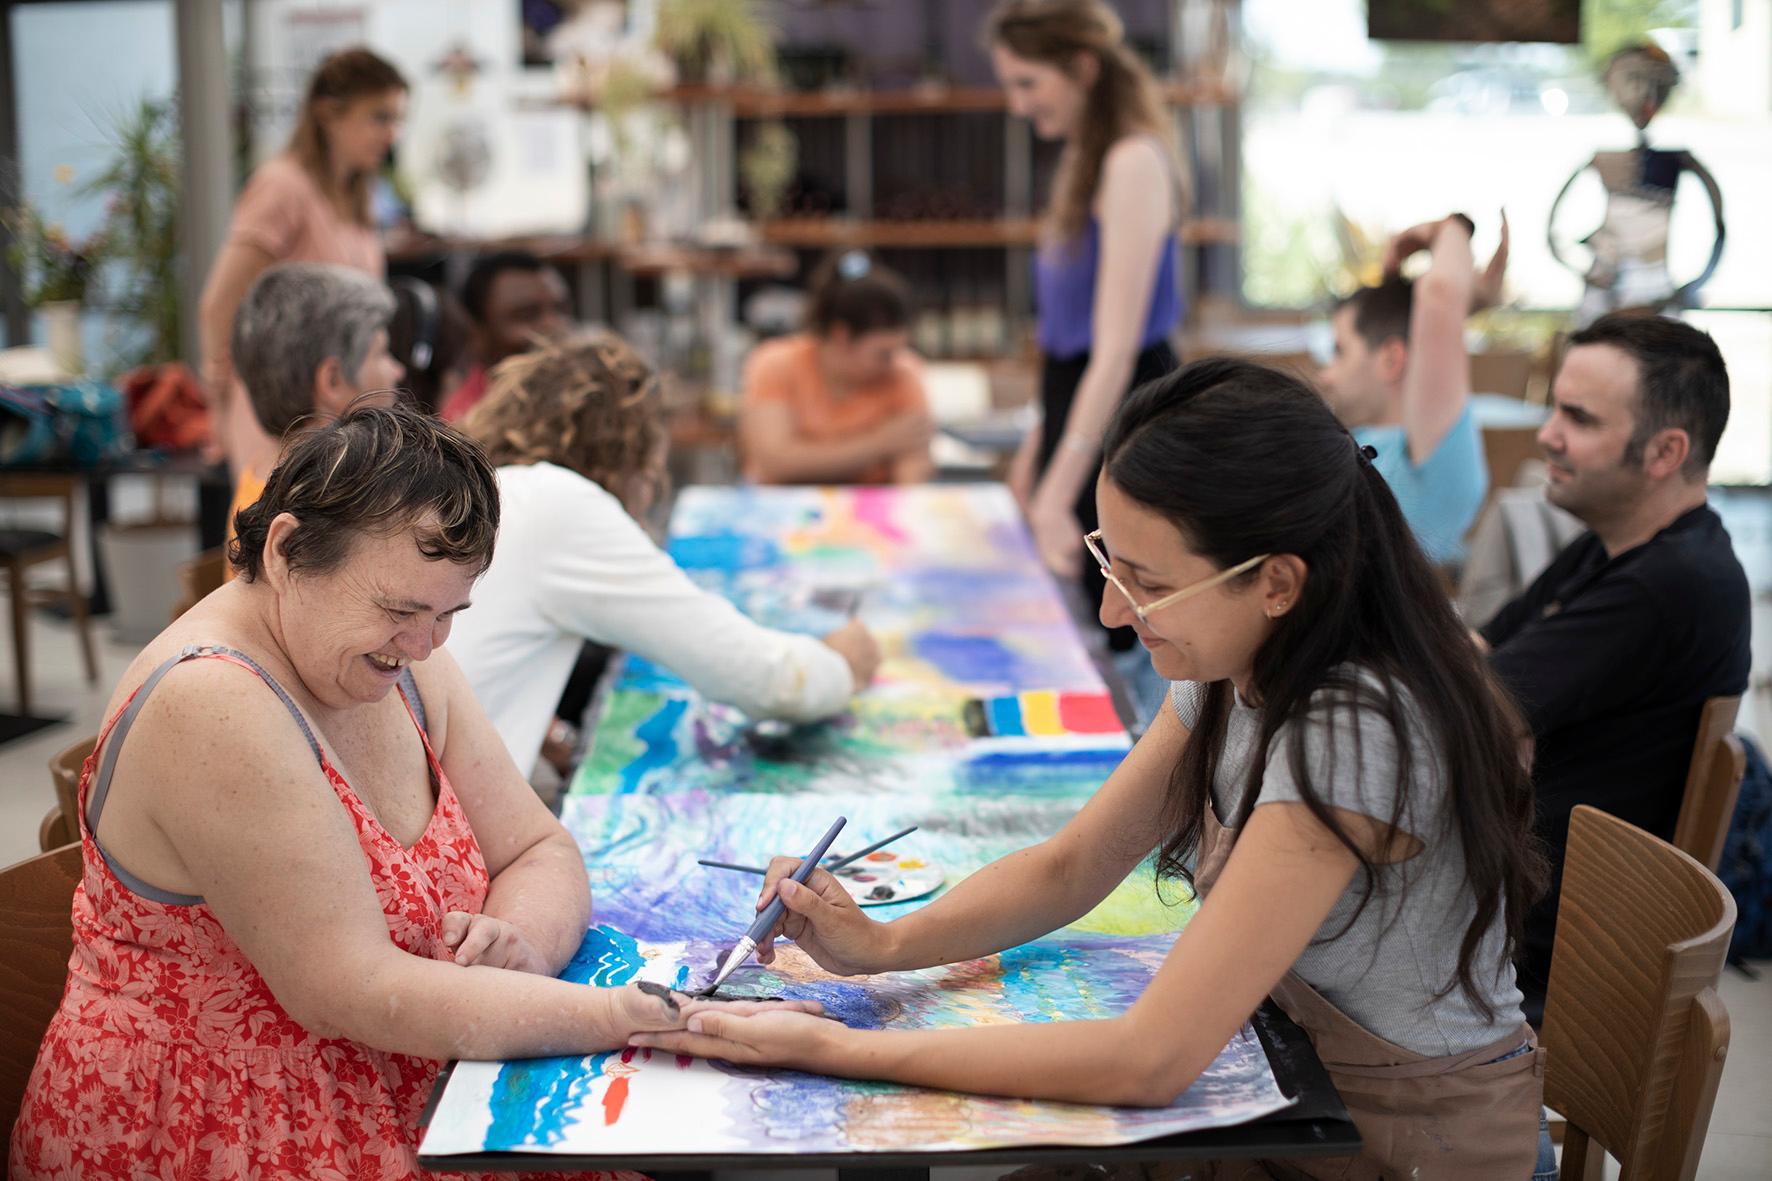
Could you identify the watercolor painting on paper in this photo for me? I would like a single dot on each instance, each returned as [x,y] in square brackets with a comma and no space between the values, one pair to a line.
[637,1103]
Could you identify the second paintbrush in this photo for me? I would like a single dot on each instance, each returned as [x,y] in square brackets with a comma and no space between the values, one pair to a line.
[832,867]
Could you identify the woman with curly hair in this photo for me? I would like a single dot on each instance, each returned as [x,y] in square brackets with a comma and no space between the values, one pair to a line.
[577,435]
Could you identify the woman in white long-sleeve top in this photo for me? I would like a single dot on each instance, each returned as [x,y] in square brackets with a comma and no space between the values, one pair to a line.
[577,434]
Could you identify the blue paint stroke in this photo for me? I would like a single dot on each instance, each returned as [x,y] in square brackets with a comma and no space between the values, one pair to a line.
[968,660]
[641,673]
[1005,717]
[532,1097]
[658,732]
[724,551]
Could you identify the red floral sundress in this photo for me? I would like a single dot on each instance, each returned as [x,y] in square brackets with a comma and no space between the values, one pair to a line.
[170,1058]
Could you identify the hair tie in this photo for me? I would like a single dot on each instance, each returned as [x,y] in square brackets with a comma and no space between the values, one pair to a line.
[854,264]
[1367,453]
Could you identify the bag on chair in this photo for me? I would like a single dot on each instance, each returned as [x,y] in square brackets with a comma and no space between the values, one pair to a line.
[1746,864]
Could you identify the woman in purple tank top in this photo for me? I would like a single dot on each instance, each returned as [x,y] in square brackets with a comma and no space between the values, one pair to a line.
[1105,274]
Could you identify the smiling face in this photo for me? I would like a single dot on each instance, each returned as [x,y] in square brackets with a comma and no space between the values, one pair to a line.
[1586,441]
[1210,636]
[351,630]
[1046,96]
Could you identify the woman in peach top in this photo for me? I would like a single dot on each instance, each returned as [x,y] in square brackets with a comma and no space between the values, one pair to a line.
[841,403]
[309,203]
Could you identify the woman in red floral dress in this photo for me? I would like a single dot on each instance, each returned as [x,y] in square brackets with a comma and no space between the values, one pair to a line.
[312,873]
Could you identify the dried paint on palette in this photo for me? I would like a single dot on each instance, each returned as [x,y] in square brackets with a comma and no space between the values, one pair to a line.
[891,876]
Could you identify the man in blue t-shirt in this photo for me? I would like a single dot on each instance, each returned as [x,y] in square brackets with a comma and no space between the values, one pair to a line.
[1400,380]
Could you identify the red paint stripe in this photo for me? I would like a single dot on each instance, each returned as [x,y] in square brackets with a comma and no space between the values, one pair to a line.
[1088,713]
[614,1099]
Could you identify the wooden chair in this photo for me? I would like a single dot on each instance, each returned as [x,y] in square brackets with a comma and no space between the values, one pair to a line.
[1634,1030]
[36,937]
[1712,783]
[1505,451]
[64,773]
[54,831]
[21,549]
[199,576]
[1501,371]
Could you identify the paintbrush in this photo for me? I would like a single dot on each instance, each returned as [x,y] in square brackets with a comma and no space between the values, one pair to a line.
[773,912]
[850,859]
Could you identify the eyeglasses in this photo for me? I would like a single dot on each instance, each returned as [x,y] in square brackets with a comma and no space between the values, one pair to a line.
[1093,541]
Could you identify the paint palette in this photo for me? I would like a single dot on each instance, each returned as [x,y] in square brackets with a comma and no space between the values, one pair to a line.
[882,878]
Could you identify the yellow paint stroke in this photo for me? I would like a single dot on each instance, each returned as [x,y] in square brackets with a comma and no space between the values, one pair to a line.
[1039,714]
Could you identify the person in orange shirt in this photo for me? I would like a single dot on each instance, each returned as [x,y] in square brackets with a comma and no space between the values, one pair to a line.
[842,402]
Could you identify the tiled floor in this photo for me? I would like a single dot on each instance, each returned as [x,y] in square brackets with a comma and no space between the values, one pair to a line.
[1739,1147]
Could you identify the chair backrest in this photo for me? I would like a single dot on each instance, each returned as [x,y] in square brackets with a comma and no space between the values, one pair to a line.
[36,937]
[57,486]
[1501,371]
[1712,782]
[54,832]
[64,772]
[1709,805]
[1642,932]
[1505,451]
[198,576]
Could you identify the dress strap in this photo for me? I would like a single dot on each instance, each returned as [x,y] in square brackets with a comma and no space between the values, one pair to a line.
[119,726]
[408,685]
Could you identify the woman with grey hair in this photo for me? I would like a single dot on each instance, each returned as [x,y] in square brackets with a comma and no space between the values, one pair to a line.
[312,872]
[308,341]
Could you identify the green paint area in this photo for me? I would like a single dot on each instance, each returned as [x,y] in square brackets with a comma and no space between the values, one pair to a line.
[1138,906]
[617,741]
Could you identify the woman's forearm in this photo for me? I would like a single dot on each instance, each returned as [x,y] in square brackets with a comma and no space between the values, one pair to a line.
[1098,395]
[1016,898]
[544,892]
[439,1010]
[1106,1061]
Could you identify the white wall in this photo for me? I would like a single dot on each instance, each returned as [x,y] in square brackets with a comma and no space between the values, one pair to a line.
[1736,74]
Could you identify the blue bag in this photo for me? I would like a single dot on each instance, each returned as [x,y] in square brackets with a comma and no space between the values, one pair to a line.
[1746,864]
[76,425]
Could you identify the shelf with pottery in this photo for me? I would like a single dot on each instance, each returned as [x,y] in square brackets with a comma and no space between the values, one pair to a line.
[815,233]
[934,98]
[638,259]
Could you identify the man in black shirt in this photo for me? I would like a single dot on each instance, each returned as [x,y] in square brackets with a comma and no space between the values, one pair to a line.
[1613,651]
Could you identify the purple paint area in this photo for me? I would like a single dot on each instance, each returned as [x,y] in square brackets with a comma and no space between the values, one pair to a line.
[968,660]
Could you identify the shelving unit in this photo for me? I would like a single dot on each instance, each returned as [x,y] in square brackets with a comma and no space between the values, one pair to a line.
[830,233]
[939,178]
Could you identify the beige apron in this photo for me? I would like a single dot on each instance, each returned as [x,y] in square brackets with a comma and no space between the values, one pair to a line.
[1463,1117]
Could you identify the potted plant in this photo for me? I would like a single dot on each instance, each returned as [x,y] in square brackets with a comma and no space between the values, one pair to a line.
[55,272]
[717,42]
[141,272]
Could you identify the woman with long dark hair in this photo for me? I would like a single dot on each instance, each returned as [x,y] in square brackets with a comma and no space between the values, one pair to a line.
[1337,776]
